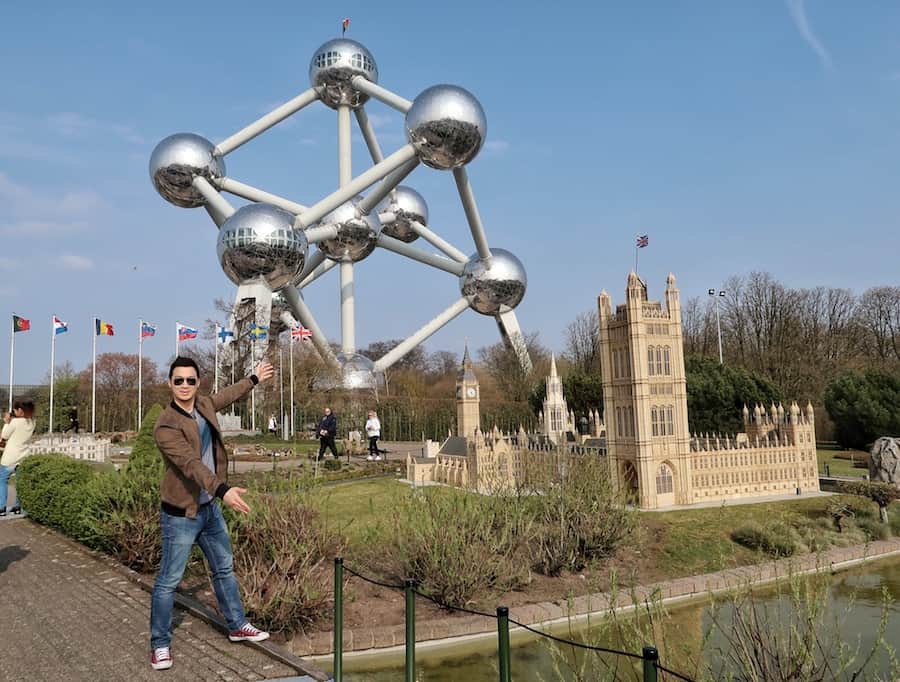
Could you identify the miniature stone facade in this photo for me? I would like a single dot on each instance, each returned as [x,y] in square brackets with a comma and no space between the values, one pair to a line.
[651,451]
[81,446]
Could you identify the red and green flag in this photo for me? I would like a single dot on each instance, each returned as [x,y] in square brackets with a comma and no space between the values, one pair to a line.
[20,324]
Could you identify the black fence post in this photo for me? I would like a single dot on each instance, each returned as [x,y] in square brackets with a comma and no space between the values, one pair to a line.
[651,656]
[338,618]
[410,630]
[503,642]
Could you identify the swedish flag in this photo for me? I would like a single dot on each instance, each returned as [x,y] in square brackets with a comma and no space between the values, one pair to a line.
[258,333]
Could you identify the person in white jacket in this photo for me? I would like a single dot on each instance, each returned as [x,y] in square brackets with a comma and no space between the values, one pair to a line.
[17,430]
[373,431]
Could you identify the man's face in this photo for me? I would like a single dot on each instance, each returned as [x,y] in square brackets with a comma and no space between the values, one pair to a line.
[180,383]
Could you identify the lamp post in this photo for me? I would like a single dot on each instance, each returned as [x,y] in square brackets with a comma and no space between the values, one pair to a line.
[713,293]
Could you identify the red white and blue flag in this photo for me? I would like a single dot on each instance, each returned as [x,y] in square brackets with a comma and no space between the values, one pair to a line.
[185,333]
[301,333]
[59,327]
[147,330]
[643,240]
[345,24]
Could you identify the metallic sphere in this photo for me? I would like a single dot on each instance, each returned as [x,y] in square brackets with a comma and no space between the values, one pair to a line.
[357,371]
[447,126]
[407,205]
[260,242]
[356,235]
[332,67]
[176,161]
[493,286]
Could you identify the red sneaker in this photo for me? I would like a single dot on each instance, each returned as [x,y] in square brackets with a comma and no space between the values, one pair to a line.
[161,658]
[247,633]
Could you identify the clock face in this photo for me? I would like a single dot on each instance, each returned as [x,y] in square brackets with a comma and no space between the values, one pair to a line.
[471,392]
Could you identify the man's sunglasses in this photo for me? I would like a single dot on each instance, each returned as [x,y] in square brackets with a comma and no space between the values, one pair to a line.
[191,381]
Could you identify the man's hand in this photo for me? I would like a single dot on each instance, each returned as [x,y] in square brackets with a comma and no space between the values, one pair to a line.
[233,498]
[264,371]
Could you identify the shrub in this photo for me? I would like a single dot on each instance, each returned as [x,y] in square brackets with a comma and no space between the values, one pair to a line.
[54,490]
[457,546]
[580,517]
[332,464]
[873,528]
[125,506]
[283,554]
[777,540]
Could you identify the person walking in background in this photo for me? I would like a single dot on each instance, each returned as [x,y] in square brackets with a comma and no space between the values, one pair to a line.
[327,432]
[188,436]
[273,425]
[17,429]
[73,421]
[373,431]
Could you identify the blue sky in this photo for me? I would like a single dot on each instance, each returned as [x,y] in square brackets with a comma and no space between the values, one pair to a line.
[739,136]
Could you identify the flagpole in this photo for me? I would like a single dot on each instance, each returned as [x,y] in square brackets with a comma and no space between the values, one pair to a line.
[12,357]
[52,367]
[216,374]
[291,346]
[281,383]
[140,370]
[177,324]
[94,377]
[635,252]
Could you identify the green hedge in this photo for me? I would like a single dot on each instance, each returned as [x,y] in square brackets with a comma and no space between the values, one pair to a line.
[55,490]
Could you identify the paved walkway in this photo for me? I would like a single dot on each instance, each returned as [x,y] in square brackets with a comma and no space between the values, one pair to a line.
[69,615]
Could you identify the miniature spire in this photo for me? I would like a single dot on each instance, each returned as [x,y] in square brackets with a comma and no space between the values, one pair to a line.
[553,374]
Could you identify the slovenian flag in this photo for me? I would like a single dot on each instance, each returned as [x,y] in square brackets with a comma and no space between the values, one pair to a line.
[259,333]
[147,330]
[103,328]
[345,24]
[20,324]
[223,335]
[59,327]
[185,332]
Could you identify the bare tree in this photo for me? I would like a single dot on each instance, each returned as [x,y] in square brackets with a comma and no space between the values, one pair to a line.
[583,341]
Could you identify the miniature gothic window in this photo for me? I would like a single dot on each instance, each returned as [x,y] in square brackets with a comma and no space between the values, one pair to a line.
[650,365]
[659,365]
[666,361]
[664,480]
[670,422]
[654,421]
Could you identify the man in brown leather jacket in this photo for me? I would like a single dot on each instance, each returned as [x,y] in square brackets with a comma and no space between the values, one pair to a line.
[188,436]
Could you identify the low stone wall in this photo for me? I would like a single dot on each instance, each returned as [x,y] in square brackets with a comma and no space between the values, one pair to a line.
[563,612]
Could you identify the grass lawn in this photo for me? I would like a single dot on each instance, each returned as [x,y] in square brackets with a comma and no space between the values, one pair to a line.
[356,506]
[669,544]
[840,464]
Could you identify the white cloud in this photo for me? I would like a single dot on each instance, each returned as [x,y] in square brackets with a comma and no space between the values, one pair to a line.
[28,211]
[496,146]
[798,15]
[73,124]
[73,262]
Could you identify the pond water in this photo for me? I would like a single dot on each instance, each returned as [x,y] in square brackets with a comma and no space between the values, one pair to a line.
[854,595]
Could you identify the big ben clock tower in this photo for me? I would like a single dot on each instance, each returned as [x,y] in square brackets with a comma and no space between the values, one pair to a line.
[467,399]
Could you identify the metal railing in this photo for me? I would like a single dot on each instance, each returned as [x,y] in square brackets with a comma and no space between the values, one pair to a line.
[649,655]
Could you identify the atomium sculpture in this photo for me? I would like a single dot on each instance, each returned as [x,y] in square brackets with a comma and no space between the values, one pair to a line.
[264,247]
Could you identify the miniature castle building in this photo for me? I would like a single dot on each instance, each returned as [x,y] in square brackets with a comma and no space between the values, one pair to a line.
[651,451]
[557,419]
[468,396]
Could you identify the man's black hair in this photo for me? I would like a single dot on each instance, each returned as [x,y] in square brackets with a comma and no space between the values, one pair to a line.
[182,361]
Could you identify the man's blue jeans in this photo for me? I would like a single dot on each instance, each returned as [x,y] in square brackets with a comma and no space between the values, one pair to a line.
[5,473]
[179,533]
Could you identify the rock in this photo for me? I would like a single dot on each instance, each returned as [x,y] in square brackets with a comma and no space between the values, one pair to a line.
[884,462]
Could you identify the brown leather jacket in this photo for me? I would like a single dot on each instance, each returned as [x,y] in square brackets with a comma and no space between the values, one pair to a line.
[178,439]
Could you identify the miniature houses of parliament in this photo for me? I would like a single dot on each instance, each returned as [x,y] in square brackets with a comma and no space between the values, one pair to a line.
[650,451]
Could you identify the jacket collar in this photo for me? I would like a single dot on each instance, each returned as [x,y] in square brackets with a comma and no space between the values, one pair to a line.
[175,406]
